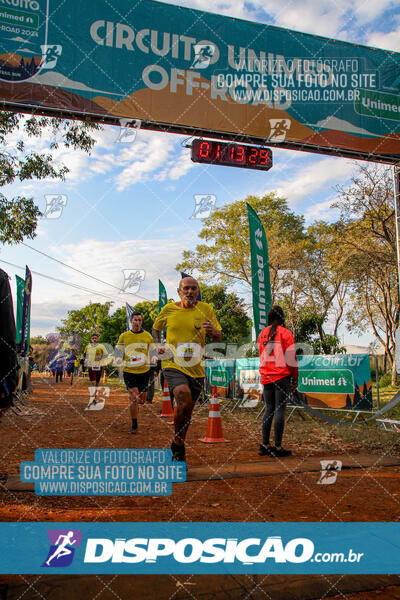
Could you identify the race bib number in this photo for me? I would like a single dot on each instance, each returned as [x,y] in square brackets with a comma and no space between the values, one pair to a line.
[188,350]
[95,368]
[136,360]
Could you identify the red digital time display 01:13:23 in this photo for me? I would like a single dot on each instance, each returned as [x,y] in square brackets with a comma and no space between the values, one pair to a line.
[231,154]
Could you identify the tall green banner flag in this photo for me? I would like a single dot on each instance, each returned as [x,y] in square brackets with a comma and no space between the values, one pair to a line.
[26,314]
[19,302]
[162,295]
[260,280]
[24,288]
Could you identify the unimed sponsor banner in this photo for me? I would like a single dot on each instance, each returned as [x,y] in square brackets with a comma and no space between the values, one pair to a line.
[200,548]
[220,373]
[248,379]
[181,69]
[340,381]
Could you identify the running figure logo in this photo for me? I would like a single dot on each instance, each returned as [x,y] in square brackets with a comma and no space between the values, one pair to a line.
[204,204]
[128,130]
[97,397]
[203,54]
[50,55]
[279,129]
[62,547]
[329,471]
[55,204]
[132,280]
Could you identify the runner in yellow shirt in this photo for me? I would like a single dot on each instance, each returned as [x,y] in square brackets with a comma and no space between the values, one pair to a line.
[96,357]
[135,347]
[187,323]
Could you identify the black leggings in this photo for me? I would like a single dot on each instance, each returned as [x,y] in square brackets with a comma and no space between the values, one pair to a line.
[59,376]
[275,396]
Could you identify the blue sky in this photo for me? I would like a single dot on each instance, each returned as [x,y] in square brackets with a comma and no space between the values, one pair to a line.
[129,204]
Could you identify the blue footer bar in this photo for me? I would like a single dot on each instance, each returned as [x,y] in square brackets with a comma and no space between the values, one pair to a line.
[200,548]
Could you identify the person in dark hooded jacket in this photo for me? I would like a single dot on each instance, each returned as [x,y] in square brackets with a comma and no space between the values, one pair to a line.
[8,347]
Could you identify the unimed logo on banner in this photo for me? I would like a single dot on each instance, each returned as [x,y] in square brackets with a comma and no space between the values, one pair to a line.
[62,547]
[191,550]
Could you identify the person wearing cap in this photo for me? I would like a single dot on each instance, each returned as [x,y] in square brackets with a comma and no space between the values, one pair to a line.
[279,377]
[133,351]
[187,323]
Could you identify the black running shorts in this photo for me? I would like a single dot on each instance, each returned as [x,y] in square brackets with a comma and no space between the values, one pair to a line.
[136,380]
[175,378]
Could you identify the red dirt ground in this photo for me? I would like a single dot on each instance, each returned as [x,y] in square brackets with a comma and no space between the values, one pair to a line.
[55,418]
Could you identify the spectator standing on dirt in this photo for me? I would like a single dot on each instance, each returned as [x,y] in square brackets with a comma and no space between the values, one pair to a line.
[279,376]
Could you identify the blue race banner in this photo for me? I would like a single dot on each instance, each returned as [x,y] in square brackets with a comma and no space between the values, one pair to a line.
[200,548]
[182,70]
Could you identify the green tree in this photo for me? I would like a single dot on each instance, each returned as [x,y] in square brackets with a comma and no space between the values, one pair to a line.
[86,321]
[39,339]
[308,331]
[317,291]
[149,312]
[113,326]
[96,318]
[224,257]
[302,266]
[19,215]
[367,254]
[230,311]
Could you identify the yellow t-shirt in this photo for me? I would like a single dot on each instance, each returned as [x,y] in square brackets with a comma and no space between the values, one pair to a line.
[96,356]
[185,336]
[136,351]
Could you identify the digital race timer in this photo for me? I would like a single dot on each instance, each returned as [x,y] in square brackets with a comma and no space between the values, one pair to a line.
[231,154]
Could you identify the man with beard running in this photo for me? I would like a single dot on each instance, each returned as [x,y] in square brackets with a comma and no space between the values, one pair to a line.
[187,323]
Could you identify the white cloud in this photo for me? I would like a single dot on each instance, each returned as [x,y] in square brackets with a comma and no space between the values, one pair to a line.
[104,260]
[177,167]
[152,155]
[315,178]
[387,41]
[331,18]
[320,211]
[366,11]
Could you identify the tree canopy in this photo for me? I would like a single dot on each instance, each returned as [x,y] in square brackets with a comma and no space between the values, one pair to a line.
[97,317]
[19,215]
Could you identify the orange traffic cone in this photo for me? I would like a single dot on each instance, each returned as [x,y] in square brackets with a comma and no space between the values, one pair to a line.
[214,424]
[175,409]
[104,377]
[166,409]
